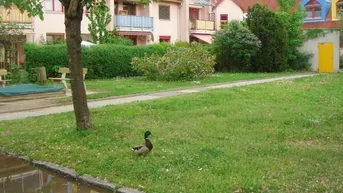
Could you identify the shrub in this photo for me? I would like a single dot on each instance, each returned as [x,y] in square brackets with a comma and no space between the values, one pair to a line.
[271,31]
[341,62]
[119,41]
[49,56]
[234,46]
[191,63]
[16,74]
[102,61]
[181,44]
[300,61]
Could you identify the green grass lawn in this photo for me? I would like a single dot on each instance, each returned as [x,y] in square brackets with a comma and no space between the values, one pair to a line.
[285,136]
[135,85]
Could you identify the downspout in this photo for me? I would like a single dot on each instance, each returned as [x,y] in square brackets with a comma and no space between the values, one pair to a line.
[178,21]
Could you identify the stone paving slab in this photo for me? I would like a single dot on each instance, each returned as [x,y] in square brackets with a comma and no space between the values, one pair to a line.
[143,97]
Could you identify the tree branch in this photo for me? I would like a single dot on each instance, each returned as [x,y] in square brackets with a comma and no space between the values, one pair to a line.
[74,8]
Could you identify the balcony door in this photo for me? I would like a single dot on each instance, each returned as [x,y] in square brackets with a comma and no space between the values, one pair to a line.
[193,14]
[126,9]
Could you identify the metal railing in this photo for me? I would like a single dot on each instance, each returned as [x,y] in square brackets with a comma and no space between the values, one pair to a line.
[133,21]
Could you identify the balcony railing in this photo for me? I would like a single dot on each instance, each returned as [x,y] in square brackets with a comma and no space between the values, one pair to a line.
[14,15]
[202,25]
[132,21]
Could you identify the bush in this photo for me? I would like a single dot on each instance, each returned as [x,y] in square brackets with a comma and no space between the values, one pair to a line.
[16,74]
[102,61]
[191,63]
[49,56]
[300,61]
[119,41]
[341,62]
[271,31]
[234,46]
[182,44]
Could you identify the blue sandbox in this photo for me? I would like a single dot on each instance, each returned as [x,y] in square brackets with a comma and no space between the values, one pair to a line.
[23,89]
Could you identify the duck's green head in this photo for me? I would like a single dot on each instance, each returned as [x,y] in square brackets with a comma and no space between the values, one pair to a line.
[147,134]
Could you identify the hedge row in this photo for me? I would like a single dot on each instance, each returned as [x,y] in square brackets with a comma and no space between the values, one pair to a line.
[102,61]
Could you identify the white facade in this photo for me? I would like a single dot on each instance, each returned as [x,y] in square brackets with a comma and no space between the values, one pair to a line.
[230,8]
[311,46]
[178,27]
[165,27]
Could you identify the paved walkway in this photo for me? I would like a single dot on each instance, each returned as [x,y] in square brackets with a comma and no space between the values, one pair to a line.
[143,97]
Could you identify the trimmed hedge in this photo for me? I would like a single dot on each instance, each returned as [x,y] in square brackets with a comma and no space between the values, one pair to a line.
[102,61]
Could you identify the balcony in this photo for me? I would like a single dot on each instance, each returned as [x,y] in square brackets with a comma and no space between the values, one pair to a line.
[202,26]
[14,15]
[134,23]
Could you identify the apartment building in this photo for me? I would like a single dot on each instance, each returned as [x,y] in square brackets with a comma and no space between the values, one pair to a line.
[163,21]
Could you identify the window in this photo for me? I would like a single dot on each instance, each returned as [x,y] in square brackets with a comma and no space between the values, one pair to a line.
[53,5]
[193,14]
[223,20]
[165,39]
[130,8]
[164,12]
[313,10]
[54,38]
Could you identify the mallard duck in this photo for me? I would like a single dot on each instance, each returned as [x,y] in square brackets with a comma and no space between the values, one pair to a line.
[146,147]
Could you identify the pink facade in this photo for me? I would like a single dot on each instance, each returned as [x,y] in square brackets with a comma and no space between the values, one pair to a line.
[164,21]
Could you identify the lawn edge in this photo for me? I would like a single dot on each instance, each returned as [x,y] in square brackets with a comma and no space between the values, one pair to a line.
[71,173]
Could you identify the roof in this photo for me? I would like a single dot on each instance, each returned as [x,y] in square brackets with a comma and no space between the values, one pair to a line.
[204,2]
[323,25]
[327,24]
[273,5]
[245,4]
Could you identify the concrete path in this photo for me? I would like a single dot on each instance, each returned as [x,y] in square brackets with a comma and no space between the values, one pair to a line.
[143,97]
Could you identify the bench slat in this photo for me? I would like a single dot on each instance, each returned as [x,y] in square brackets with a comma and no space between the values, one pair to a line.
[8,80]
[3,72]
[59,78]
[64,70]
[67,71]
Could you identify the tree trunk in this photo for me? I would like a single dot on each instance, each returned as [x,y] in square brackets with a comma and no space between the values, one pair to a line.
[73,18]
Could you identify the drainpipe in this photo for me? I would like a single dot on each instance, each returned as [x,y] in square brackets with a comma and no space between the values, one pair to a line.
[178,21]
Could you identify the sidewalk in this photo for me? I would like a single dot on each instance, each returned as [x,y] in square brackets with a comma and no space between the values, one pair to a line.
[143,97]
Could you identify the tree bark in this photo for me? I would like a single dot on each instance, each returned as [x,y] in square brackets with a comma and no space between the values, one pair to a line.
[73,18]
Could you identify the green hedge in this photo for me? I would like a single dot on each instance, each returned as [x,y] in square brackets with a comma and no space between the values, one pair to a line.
[102,61]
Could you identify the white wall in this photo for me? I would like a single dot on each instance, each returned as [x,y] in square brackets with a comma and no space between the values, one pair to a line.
[184,21]
[54,23]
[165,27]
[228,7]
[311,46]
[142,10]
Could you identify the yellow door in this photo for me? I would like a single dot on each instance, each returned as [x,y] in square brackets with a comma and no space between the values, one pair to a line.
[325,63]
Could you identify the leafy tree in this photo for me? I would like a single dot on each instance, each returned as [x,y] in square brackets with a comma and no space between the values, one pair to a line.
[292,15]
[73,15]
[99,19]
[271,31]
[234,46]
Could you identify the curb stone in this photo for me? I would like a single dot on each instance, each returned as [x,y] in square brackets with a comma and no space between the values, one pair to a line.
[128,190]
[67,172]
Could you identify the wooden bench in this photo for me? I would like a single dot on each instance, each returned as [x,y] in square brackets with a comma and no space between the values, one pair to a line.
[63,79]
[3,79]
